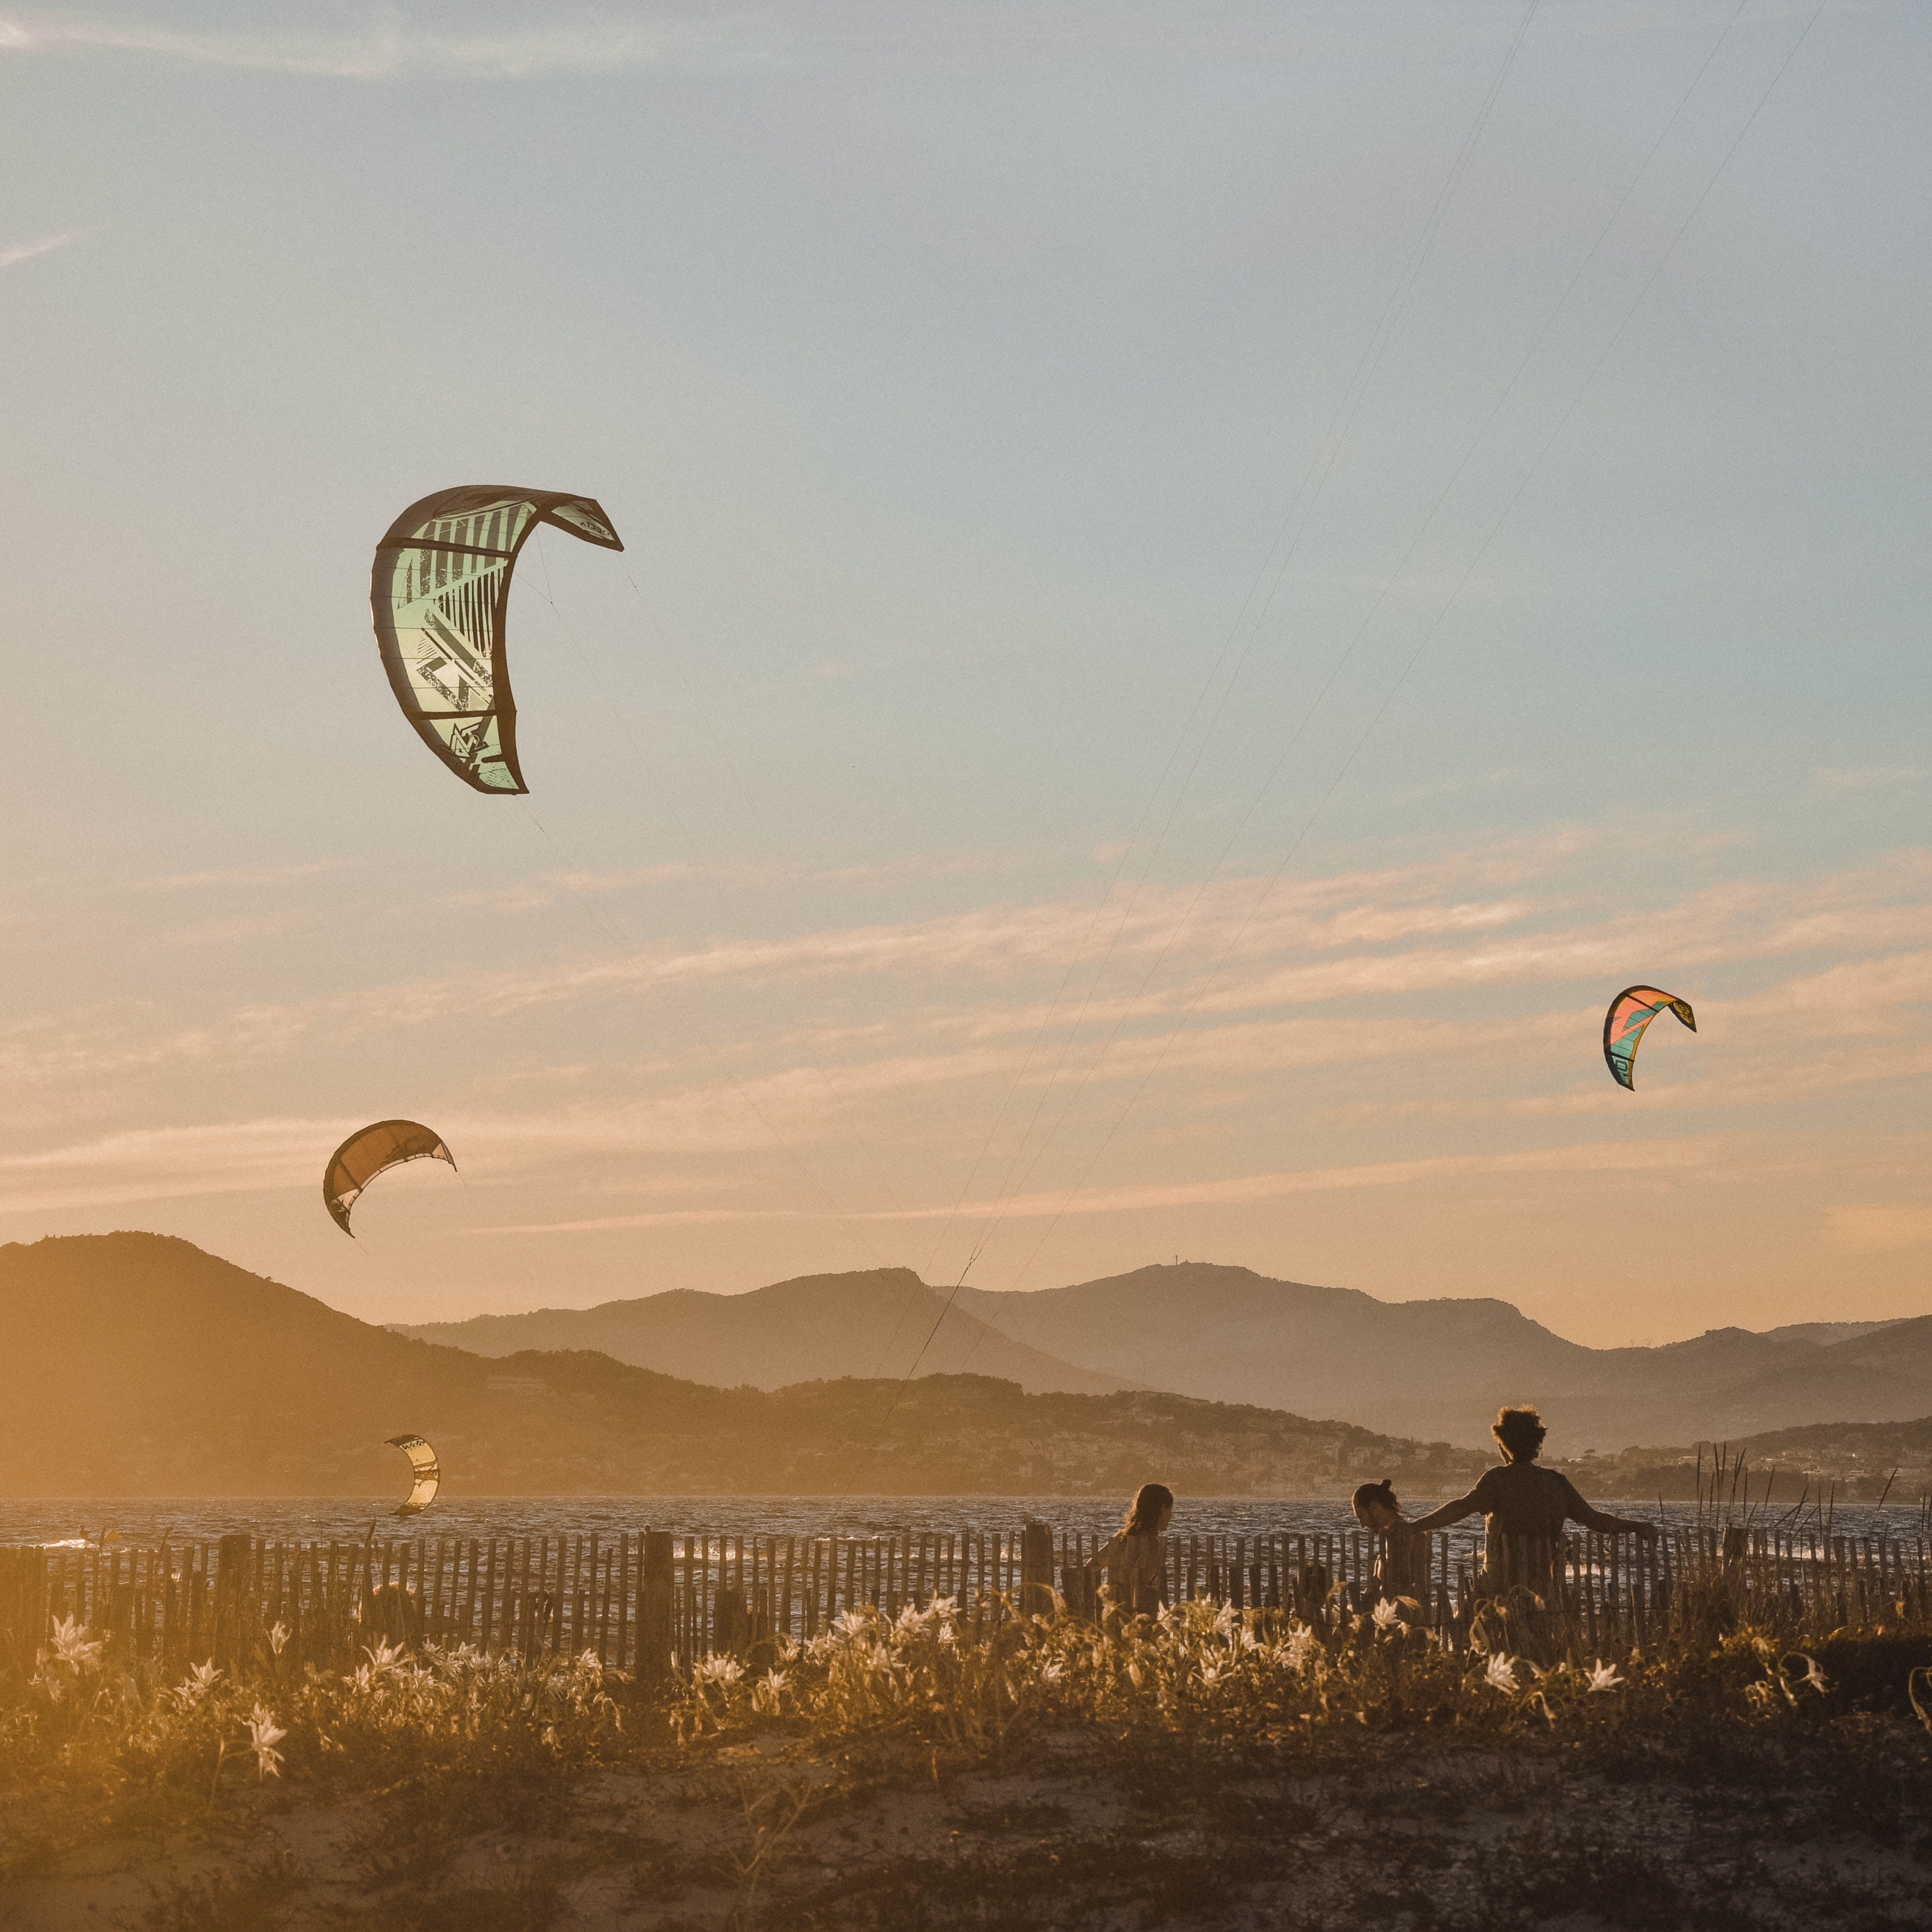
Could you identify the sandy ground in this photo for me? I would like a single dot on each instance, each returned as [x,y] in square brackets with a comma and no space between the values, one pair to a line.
[1085,1833]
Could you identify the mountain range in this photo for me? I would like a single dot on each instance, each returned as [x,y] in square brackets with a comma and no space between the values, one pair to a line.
[138,1365]
[816,1327]
[1433,1370]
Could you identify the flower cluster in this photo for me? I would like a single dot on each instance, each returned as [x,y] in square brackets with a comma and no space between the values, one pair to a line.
[394,1714]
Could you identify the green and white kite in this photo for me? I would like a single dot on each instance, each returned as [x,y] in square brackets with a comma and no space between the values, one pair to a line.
[440,591]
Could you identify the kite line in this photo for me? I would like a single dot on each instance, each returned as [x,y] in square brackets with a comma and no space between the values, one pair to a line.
[1318,471]
[1422,645]
[1361,630]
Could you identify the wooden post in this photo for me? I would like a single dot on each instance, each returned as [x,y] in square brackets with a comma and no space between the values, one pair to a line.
[23,1607]
[1036,1570]
[654,1612]
[489,1597]
[232,1578]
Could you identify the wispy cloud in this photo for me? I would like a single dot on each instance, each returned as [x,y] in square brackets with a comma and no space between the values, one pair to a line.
[242,878]
[25,251]
[1607,1157]
[1881,1229]
[556,43]
[1864,778]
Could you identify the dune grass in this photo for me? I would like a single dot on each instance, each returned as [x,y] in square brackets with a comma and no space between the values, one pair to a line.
[1263,1734]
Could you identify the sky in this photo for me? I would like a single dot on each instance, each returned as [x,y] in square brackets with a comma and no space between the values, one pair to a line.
[1203,584]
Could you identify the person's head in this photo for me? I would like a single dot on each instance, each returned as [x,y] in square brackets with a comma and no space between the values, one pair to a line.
[1375,1505]
[1520,1432]
[1148,1513]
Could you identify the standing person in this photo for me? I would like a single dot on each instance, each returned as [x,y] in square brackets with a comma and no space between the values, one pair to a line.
[1403,1569]
[1525,1506]
[1134,1557]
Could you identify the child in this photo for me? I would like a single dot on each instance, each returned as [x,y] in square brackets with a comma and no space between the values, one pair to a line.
[1134,1557]
[1526,1508]
[1403,1570]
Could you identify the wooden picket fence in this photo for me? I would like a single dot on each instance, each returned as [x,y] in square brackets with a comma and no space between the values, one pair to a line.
[651,1601]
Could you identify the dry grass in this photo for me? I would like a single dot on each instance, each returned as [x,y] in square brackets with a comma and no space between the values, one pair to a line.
[1211,1768]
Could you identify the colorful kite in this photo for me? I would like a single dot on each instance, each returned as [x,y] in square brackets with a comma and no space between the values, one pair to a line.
[428,1474]
[440,591]
[372,1151]
[1630,1012]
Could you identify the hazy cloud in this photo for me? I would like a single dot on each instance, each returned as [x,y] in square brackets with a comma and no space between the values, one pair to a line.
[242,878]
[24,251]
[1878,1230]
[391,48]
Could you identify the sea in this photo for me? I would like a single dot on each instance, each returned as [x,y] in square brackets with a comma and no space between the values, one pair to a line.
[139,1522]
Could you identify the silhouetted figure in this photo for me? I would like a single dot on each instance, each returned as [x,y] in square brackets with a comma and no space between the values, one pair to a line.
[1403,1569]
[1134,1558]
[1526,1508]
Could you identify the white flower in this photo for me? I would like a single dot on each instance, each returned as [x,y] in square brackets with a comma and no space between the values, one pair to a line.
[852,1623]
[1052,1673]
[1501,1673]
[1225,1619]
[1604,1677]
[948,1635]
[1211,1673]
[718,1670]
[1388,1613]
[264,1734]
[196,1685]
[278,1638]
[54,1687]
[72,1647]
[1303,1644]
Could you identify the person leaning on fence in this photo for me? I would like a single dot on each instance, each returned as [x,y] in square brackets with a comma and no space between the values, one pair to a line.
[1134,1557]
[1402,1569]
[1525,1508]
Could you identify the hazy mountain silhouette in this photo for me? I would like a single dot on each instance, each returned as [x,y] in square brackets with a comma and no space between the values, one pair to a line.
[872,1322]
[138,1365]
[1443,1367]
[1436,1370]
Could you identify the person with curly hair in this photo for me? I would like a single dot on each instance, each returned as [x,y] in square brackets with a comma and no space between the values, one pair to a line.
[1525,1507]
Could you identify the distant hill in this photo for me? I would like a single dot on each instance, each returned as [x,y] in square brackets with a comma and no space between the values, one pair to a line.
[1851,1461]
[1442,1368]
[817,1327]
[1437,1370]
[137,1365]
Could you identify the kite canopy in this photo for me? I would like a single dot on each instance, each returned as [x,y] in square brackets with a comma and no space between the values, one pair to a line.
[1630,1012]
[372,1151]
[428,1474]
[440,591]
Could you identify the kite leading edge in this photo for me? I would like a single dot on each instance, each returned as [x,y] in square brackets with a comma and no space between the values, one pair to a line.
[440,593]
[372,1151]
[1630,1012]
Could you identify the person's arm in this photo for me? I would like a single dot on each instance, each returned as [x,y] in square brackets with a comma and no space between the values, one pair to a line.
[1600,1521]
[1107,1554]
[1449,1513]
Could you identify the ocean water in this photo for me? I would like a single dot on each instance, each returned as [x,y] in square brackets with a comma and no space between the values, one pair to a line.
[141,1521]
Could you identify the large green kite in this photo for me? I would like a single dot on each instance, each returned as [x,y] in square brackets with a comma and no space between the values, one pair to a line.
[440,591]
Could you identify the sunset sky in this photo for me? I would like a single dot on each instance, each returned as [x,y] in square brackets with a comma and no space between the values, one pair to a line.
[1203,584]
